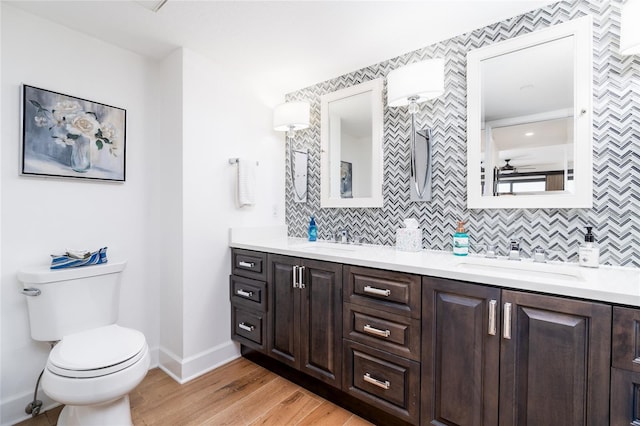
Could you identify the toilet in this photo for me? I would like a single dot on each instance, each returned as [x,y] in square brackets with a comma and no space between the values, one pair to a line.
[95,362]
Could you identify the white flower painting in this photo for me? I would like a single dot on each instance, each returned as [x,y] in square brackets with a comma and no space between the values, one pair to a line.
[66,136]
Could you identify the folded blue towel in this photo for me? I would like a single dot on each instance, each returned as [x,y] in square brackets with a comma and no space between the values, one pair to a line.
[59,261]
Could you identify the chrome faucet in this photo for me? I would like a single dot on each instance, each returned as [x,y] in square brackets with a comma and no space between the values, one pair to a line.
[491,251]
[542,255]
[514,249]
[342,236]
[539,255]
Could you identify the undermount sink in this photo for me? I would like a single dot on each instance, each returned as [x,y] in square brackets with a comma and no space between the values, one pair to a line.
[326,245]
[522,269]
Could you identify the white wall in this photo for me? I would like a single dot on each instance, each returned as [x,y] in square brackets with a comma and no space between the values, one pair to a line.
[40,216]
[185,117]
[220,120]
[167,218]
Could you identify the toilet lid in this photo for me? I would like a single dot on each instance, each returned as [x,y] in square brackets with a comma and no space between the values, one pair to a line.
[97,352]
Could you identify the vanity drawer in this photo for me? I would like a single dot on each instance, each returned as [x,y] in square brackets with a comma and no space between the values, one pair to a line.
[626,339]
[397,334]
[247,327]
[394,292]
[249,293]
[249,264]
[383,380]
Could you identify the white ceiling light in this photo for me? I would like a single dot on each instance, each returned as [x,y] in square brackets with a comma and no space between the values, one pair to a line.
[629,28]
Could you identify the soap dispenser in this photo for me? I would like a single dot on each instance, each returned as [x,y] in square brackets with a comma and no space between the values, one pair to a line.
[589,252]
[460,240]
[313,229]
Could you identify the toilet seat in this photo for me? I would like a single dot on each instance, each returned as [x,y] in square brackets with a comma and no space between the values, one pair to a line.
[97,352]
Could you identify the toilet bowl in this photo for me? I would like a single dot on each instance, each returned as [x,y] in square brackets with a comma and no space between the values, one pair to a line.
[95,362]
[92,373]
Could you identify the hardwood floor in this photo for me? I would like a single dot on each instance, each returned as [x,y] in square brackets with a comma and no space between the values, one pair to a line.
[238,393]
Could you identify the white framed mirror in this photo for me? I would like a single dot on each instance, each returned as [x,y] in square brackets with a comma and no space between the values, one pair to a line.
[529,135]
[351,146]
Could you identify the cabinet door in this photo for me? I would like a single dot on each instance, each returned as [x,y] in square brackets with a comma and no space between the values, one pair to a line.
[460,353]
[321,321]
[284,311]
[625,398]
[555,367]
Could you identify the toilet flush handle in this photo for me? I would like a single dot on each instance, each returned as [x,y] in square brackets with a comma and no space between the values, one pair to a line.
[31,291]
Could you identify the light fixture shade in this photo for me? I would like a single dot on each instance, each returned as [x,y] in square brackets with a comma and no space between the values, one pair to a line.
[630,28]
[291,116]
[422,80]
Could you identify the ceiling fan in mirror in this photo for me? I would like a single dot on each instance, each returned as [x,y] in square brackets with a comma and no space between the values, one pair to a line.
[509,168]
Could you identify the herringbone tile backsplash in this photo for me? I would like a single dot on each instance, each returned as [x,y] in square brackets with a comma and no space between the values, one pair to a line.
[616,152]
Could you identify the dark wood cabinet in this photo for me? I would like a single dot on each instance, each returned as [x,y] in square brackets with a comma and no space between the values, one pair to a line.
[436,351]
[460,353]
[555,367]
[305,313]
[505,357]
[248,295]
[625,371]
[385,381]
[382,340]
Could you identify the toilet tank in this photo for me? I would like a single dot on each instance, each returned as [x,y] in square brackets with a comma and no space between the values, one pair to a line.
[71,300]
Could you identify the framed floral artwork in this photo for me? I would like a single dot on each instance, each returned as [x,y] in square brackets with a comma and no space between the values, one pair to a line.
[65,136]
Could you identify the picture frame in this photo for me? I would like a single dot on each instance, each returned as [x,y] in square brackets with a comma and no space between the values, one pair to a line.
[70,137]
[346,179]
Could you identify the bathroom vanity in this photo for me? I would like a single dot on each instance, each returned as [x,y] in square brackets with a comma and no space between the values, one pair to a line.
[428,338]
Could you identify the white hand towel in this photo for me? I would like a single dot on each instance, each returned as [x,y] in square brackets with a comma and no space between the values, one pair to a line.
[246,182]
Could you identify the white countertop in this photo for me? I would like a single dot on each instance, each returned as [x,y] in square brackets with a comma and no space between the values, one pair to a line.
[607,283]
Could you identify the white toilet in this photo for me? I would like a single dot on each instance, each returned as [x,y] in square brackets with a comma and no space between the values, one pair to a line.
[96,363]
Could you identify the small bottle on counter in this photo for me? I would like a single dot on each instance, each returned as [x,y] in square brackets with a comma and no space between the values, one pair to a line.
[589,252]
[461,240]
[313,229]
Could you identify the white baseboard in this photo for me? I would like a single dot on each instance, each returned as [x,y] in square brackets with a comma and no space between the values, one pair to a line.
[12,409]
[183,370]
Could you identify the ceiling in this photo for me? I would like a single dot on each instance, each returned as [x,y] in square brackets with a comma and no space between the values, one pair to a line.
[279,46]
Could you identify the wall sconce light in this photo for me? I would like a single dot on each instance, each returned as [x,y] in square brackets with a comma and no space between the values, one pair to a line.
[629,28]
[411,85]
[289,117]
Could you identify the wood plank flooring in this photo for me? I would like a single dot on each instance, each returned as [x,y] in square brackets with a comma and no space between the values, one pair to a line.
[238,393]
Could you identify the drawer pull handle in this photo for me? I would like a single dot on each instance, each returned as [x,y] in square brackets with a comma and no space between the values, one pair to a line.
[301,283]
[377,291]
[493,304]
[295,277]
[376,331]
[246,327]
[379,383]
[241,292]
[246,264]
[506,332]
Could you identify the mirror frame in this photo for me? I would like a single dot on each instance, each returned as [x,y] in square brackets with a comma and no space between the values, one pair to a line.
[581,30]
[376,199]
